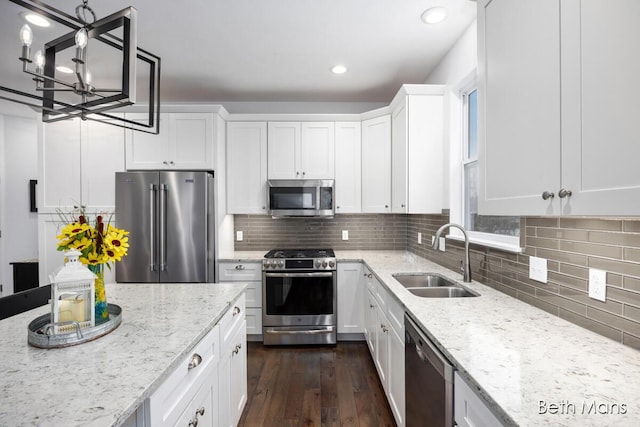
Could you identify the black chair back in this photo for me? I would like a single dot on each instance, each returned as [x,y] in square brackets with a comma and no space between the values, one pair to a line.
[24,301]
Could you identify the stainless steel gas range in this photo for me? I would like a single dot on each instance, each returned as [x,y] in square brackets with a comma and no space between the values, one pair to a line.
[299,297]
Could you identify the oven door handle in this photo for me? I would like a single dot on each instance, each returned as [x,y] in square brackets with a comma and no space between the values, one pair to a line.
[298,332]
[319,274]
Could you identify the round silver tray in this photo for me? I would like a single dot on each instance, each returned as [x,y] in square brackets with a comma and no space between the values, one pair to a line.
[41,336]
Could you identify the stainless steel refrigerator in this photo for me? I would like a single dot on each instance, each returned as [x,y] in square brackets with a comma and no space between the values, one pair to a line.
[170,219]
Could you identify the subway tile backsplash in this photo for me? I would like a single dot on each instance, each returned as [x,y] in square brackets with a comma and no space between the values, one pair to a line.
[572,245]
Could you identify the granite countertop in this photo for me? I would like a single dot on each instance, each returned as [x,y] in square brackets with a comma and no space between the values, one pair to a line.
[102,382]
[521,358]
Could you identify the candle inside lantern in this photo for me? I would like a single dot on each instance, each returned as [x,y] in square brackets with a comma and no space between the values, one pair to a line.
[72,310]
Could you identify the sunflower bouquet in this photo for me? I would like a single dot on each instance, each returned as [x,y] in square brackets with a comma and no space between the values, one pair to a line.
[100,244]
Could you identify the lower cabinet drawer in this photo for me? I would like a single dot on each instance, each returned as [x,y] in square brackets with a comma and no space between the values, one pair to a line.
[173,397]
[240,271]
[254,321]
[469,409]
[232,320]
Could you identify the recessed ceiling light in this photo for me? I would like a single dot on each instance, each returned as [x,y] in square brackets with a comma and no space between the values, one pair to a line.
[434,15]
[64,69]
[37,20]
[339,69]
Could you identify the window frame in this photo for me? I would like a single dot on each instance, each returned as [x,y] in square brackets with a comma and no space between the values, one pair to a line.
[459,158]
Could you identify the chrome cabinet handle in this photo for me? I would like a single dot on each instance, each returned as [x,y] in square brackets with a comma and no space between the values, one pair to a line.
[236,310]
[372,306]
[194,422]
[548,195]
[564,193]
[164,162]
[196,360]
[386,206]
[200,411]
[237,348]
[369,275]
[239,267]
[304,173]
[384,328]
[264,207]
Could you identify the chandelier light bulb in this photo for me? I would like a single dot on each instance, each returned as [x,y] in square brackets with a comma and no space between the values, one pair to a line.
[26,36]
[38,59]
[82,38]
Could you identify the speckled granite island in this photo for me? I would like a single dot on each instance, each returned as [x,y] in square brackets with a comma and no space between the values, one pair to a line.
[530,367]
[103,382]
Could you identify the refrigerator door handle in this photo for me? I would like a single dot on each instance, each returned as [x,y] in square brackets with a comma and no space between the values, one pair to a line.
[163,229]
[152,227]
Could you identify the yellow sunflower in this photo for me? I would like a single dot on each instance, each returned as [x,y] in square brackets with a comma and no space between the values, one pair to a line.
[93,258]
[72,230]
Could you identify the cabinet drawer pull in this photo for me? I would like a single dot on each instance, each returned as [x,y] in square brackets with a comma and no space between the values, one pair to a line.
[193,423]
[236,310]
[548,195]
[564,193]
[239,267]
[196,360]
[200,411]
[384,328]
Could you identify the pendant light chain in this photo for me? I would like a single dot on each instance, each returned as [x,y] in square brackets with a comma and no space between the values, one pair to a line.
[85,7]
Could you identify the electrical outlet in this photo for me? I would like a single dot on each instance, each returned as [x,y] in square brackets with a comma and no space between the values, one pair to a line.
[433,239]
[239,236]
[419,238]
[538,269]
[441,244]
[345,234]
[598,284]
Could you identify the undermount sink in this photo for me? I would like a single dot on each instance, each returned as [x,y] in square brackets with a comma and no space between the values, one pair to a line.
[432,285]
[443,292]
[423,280]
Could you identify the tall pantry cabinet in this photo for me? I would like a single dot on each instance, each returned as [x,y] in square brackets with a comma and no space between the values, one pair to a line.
[556,111]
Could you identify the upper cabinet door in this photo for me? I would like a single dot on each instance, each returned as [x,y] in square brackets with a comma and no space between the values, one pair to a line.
[519,106]
[246,167]
[600,149]
[102,156]
[185,141]
[59,147]
[284,150]
[348,167]
[376,165]
[317,150]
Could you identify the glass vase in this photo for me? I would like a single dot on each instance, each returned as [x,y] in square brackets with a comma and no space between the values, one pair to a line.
[101,307]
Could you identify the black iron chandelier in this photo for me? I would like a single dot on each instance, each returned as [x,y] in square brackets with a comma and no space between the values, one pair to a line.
[63,98]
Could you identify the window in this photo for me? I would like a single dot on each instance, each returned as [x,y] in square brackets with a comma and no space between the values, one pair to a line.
[497,231]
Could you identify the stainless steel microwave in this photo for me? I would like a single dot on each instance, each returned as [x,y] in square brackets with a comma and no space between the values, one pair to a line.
[300,197]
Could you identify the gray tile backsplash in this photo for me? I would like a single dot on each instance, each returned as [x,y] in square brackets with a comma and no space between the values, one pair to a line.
[572,245]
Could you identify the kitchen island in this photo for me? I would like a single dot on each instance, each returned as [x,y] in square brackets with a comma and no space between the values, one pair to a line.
[530,367]
[104,382]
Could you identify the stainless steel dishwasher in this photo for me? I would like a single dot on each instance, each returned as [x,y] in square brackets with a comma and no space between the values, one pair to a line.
[428,381]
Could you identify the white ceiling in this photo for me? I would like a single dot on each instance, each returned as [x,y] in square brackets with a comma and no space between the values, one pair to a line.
[275,50]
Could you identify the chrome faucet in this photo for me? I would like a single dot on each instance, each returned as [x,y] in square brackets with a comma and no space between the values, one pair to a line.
[466,263]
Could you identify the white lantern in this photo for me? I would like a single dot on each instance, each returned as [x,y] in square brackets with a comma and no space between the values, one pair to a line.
[72,295]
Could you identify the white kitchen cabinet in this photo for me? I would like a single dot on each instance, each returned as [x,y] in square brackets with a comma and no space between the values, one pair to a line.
[189,391]
[232,372]
[79,160]
[416,150]
[348,170]
[246,167]
[185,142]
[301,150]
[249,272]
[548,121]
[385,339]
[469,409]
[376,165]
[350,297]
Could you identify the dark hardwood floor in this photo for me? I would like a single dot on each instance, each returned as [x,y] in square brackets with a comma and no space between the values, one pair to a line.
[314,386]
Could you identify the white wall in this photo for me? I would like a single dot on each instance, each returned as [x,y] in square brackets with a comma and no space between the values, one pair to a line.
[455,69]
[18,148]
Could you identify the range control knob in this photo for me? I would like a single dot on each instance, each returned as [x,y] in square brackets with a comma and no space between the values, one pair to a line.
[318,263]
[331,263]
[324,263]
[281,264]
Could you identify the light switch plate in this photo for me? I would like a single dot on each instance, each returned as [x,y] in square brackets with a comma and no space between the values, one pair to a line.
[598,284]
[441,244]
[239,236]
[345,234]
[419,238]
[538,269]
